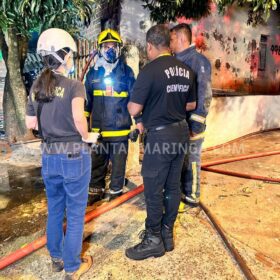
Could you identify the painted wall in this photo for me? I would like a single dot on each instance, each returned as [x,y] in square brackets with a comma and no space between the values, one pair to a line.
[235,116]
[244,59]
[234,50]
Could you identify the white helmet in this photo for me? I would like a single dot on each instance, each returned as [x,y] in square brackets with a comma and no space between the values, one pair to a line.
[53,40]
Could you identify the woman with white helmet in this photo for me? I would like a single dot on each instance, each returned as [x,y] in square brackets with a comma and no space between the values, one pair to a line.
[56,109]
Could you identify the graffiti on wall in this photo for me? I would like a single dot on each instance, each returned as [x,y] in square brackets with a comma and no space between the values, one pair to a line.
[245,59]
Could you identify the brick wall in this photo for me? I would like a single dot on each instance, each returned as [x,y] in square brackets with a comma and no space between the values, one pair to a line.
[105,16]
[91,32]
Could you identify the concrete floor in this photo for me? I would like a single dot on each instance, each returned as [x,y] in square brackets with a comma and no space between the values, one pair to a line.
[248,211]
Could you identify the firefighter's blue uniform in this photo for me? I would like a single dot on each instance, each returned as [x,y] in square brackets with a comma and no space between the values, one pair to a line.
[107,99]
[196,120]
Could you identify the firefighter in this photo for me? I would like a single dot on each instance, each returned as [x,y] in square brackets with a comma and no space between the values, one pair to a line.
[163,91]
[185,51]
[108,86]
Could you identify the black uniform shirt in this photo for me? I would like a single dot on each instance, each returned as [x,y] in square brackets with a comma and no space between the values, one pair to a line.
[56,116]
[163,87]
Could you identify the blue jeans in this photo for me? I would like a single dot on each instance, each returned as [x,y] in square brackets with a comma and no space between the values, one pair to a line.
[191,169]
[66,178]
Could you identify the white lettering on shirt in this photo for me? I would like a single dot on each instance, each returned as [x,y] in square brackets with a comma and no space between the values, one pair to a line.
[177,88]
[177,72]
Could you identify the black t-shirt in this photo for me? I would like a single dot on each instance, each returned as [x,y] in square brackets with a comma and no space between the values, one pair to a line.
[163,87]
[56,116]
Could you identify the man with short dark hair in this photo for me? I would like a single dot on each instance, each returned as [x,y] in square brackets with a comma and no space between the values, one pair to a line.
[163,91]
[181,38]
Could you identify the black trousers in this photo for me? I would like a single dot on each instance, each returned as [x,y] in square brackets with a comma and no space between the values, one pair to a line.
[117,153]
[161,170]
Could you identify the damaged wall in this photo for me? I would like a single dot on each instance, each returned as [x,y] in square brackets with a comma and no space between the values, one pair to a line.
[244,60]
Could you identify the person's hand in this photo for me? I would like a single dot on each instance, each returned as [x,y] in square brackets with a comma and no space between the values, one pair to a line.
[140,127]
[192,134]
[133,135]
[92,137]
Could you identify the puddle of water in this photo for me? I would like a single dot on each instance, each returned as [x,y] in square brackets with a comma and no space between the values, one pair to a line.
[19,185]
[23,206]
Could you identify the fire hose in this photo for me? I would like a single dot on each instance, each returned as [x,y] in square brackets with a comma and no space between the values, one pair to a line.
[41,242]
[208,166]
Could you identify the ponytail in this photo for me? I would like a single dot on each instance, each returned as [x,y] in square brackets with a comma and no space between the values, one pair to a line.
[44,86]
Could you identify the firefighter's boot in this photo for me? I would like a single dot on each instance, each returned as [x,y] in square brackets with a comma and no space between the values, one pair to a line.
[151,245]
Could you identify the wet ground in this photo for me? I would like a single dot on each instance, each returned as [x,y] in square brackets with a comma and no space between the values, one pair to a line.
[248,210]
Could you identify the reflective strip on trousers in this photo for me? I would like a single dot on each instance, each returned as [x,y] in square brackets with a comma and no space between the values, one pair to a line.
[194,181]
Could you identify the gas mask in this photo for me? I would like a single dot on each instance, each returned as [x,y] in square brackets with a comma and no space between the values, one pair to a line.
[110,54]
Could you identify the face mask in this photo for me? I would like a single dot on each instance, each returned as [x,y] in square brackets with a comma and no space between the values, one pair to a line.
[72,70]
[111,55]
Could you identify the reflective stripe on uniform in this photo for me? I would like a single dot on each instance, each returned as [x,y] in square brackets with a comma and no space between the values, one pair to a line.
[115,192]
[121,94]
[87,114]
[197,136]
[117,133]
[194,180]
[197,118]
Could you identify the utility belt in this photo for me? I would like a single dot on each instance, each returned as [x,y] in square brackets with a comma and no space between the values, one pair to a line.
[162,127]
[65,139]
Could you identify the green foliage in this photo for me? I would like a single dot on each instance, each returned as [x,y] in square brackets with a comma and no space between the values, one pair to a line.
[259,10]
[26,15]
[163,11]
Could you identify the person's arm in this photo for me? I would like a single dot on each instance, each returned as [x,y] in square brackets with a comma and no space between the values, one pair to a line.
[191,106]
[197,120]
[80,121]
[131,81]
[134,109]
[140,93]
[79,116]
[31,121]
[89,94]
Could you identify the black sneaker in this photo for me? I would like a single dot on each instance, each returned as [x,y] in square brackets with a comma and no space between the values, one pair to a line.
[57,265]
[150,246]
[94,195]
[167,238]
